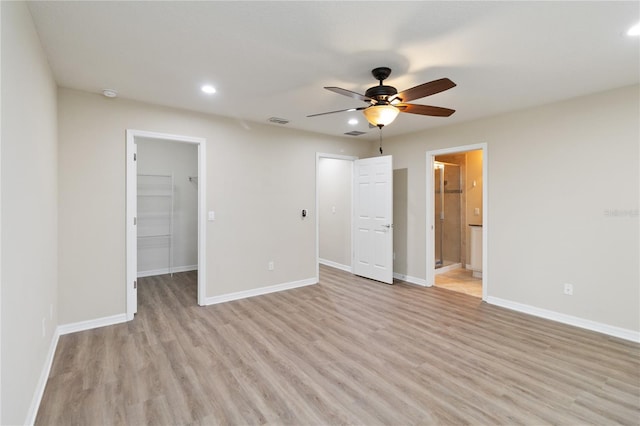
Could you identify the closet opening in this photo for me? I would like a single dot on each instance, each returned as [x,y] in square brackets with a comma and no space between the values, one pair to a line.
[165,203]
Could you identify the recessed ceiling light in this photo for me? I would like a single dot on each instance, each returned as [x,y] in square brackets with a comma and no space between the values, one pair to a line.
[208,89]
[109,93]
[353,121]
[635,30]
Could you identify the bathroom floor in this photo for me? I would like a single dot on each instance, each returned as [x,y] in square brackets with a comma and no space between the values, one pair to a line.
[460,280]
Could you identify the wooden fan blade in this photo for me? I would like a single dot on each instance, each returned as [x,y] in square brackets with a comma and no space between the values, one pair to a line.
[425,110]
[340,110]
[426,89]
[349,93]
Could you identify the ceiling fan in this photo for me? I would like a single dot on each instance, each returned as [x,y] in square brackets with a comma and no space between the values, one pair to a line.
[385,102]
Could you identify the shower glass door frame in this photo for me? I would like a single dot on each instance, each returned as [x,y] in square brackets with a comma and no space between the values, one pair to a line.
[441,181]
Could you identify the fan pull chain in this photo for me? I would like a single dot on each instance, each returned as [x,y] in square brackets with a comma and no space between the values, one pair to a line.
[380,139]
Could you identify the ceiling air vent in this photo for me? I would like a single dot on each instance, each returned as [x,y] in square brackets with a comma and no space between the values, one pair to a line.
[355,133]
[278,120]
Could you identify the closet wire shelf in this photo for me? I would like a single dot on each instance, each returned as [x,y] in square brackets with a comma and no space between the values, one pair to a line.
[157,186]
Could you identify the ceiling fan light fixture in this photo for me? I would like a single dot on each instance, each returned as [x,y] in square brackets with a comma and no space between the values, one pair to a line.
[381,115]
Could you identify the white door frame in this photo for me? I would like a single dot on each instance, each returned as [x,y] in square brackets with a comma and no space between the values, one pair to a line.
[320,155]
[430,210]
[132,192]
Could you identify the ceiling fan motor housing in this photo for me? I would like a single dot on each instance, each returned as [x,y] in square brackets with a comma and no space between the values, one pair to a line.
[381,93]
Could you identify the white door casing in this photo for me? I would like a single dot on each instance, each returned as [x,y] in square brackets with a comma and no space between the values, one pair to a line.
[373,218]
[131,212]
[132,228]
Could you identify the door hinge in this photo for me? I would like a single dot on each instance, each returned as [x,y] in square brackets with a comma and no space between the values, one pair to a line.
[135,284]
[135,156]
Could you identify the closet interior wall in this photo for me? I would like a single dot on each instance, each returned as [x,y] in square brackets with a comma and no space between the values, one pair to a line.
[167,207]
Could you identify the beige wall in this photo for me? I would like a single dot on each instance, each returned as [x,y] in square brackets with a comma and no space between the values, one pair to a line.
[29,211]
[553,174]
[334,210]
[259,178]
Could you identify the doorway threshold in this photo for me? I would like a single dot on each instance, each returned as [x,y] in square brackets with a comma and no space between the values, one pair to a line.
[447,268]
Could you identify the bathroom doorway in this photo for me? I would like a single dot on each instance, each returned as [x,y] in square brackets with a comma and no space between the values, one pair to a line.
[456,186]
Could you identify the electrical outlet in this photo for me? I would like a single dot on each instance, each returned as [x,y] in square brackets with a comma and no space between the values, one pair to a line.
[568,289]
[271,265]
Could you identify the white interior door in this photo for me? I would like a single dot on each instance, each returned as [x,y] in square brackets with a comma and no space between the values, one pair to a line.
[373,218]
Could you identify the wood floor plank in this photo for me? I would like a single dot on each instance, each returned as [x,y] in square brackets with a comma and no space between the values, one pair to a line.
[345,351]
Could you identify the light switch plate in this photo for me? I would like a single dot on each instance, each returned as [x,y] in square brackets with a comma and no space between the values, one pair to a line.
[212,216]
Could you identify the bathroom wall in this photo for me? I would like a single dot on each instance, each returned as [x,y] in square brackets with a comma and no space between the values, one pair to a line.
[472,196]
[473,193]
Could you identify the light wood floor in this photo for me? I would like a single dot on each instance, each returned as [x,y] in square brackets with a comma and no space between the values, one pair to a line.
[460,280]
[345,351]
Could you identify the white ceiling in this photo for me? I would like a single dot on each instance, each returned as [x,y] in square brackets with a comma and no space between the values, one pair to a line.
[274,58]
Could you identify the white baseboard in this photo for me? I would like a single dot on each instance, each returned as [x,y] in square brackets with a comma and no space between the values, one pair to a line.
[413,280]
[42,381]
[610,330]
[46,368]
[259,291]
[94,323]
[447,268]
[336,265]
[165,271]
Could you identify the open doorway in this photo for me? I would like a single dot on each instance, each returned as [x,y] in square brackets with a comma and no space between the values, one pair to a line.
[334,207]
[365,241]
[165,211]
[167,207]
[456,211]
